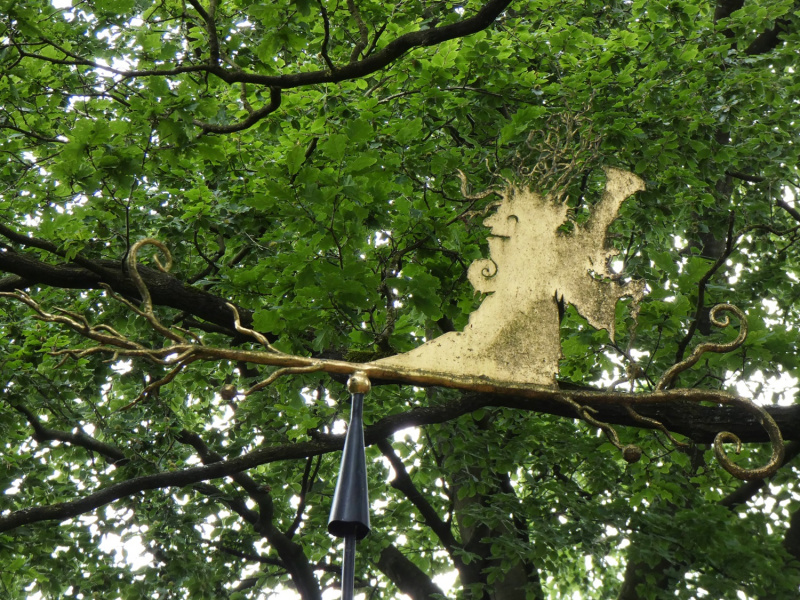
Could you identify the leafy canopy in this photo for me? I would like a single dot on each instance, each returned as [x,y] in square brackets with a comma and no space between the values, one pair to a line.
[299,161]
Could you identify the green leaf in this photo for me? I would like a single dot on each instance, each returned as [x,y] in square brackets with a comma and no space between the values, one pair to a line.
[360,131]
[295,158]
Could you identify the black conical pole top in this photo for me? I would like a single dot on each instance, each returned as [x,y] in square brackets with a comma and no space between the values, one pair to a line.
[350,510]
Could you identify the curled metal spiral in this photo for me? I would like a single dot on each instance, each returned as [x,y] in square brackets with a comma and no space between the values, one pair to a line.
[133,268]
[766,420]
[775,438]
[147,301]
[701,349]
[490,270]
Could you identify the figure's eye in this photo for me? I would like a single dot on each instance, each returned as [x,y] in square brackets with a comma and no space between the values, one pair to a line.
[513,218]
[492,208]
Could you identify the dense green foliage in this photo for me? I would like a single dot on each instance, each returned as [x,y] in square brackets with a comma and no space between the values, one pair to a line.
[300,162]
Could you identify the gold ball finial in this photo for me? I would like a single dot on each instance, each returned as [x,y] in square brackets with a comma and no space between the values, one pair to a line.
[358,383]
[632,453]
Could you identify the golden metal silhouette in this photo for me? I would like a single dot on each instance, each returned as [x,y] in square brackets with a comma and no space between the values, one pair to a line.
[513,336]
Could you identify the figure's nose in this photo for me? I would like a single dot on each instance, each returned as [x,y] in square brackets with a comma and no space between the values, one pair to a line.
[491,220]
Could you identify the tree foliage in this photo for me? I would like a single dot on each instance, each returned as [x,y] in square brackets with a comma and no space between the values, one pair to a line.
[299,162]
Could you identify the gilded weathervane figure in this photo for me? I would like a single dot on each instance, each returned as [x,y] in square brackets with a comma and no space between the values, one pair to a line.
[514,336]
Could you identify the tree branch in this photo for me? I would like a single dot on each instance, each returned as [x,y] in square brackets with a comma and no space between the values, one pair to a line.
[407,576]
[44,434]
[701,421]
[402,482]
[701,291]
[768,40]
[253,117]
[290,553]
[33,134]
[789,209]
[165,289]
[374,62]
[211,29]
[363,34]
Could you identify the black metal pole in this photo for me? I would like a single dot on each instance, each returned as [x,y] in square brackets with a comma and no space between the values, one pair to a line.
[350,509]
[348,567]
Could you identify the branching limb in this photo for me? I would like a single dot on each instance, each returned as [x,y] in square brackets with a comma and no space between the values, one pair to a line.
[47,246]
[33,134]
[482,19]
[791,210]
[408,577]
[253,116]
[363,33]
[156,385]
[165,289]
[535,401]
[266,560]
[701,289]
[326,24]
[310,474]
[289,552]
[211,28]
[80,439]
[402,482]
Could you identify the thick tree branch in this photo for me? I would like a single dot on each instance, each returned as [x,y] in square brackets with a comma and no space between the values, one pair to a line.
[407,576]
[211,28]
[795,214]
[487,14]
[237,505]
[363,34]
[724,9]
[33,134]
[701,291]
[768,40]
[47,246]
[703,422]
[791,540]
[290,553]
[254,557]
[165,289]
[253,117]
